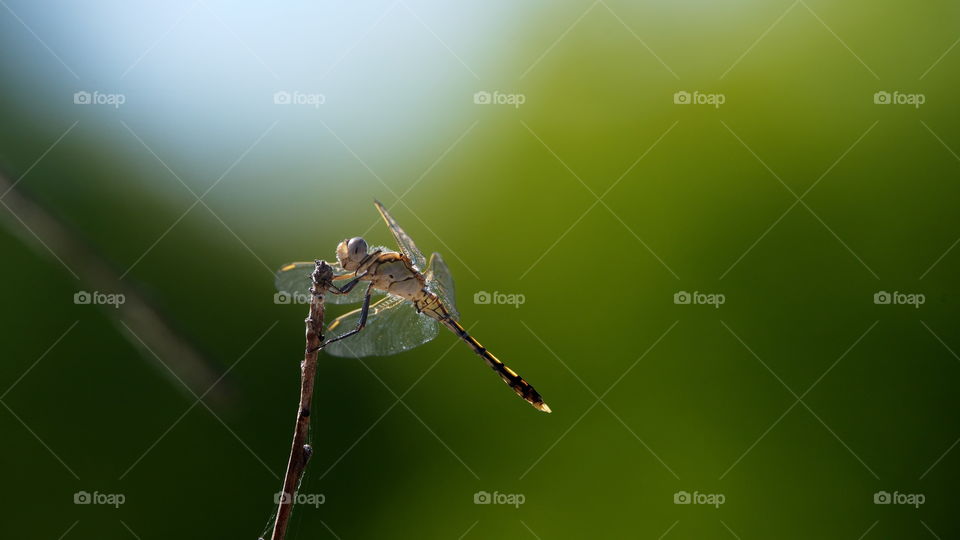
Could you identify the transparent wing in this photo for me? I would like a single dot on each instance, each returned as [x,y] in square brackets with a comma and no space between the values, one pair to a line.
[407,247]
[294,279]
[393,326]
[440,282]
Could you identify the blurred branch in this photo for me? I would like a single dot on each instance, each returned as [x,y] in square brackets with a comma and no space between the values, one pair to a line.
[47,236]
[300,451]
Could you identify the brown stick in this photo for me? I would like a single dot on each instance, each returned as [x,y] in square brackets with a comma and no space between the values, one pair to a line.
[137,319]
[299,451]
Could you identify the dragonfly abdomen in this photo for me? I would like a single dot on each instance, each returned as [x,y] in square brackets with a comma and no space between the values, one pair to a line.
[509,376]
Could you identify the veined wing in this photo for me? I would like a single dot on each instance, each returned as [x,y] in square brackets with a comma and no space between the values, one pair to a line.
[407,247]
[294,279]
[393,326]
[440,282]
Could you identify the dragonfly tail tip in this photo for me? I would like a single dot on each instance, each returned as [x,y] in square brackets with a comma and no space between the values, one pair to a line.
[543,407]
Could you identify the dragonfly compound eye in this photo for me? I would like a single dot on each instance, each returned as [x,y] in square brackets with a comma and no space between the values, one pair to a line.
[357,247]
[351,252]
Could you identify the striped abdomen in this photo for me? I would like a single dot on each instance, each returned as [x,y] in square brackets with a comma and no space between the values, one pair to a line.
[509,376]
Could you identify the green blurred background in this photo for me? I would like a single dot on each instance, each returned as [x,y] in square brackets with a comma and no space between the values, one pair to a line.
[692,398]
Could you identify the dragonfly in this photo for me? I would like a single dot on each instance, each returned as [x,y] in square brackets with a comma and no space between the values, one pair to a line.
[415,297]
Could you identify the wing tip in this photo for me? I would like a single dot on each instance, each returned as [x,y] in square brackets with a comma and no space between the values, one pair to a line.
[382,210]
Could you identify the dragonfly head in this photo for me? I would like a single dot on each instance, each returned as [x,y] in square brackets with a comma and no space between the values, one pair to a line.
[351,252]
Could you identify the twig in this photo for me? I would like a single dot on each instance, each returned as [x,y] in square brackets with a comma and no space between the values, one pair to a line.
[137,320]
[300,451]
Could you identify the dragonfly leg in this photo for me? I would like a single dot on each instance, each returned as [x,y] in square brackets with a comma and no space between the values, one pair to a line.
[360,324]
[349,286]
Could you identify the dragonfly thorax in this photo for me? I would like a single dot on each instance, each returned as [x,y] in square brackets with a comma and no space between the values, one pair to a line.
[391,273]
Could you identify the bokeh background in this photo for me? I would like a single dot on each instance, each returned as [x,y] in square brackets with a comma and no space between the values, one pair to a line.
[598,199]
